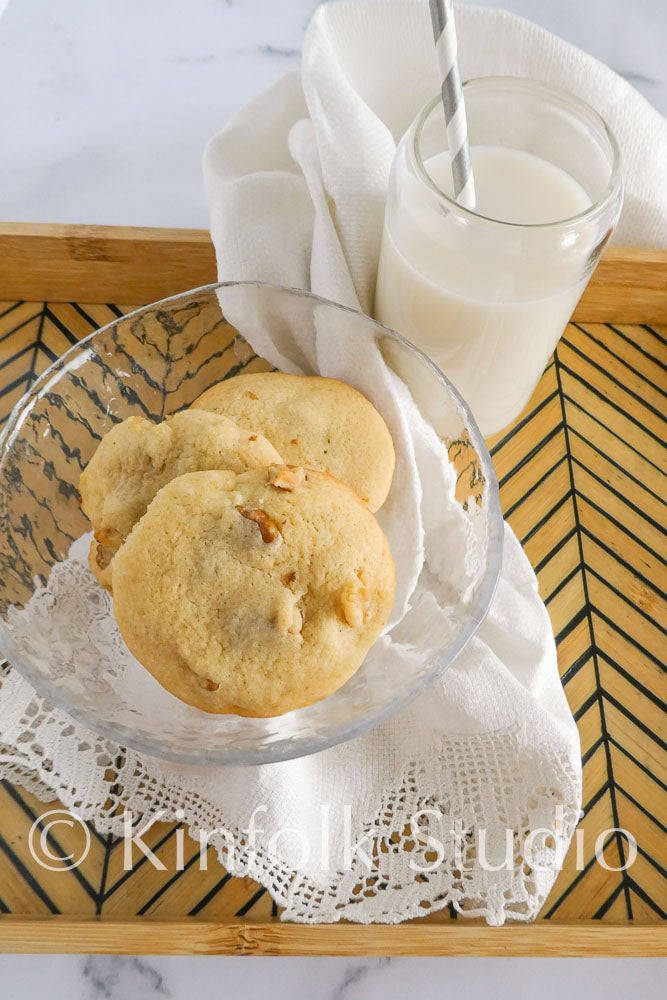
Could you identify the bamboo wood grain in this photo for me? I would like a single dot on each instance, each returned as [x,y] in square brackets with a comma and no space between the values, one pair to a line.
[58,263]
[143,935]
[580,486]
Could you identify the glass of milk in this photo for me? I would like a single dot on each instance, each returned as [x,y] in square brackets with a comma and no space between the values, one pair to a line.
[487,293]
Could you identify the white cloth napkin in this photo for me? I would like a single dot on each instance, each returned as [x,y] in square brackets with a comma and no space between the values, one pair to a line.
[296,186]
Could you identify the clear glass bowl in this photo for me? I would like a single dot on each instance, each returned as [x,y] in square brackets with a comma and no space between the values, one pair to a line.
[154,362]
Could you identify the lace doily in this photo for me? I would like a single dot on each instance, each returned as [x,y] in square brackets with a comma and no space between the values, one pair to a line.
[53,757]
[478,797]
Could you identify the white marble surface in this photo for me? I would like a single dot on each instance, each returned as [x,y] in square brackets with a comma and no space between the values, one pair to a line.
[104,109]
[105,106]
[117,978]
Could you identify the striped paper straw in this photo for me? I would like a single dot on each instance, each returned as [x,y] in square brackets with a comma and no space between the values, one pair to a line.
[444,33]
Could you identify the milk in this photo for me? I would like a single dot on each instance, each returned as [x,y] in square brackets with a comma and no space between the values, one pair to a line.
[487,302]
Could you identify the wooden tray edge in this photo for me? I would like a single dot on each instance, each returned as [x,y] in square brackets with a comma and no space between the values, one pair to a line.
[69,263]
[143,935]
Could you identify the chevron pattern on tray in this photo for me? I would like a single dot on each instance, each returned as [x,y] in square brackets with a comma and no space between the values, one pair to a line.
[582,484]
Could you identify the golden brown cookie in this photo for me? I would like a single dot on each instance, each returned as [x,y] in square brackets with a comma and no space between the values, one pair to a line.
[253,594]
[137,458]
[318,423]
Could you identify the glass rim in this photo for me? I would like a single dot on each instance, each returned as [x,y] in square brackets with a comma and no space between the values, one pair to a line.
[524,84]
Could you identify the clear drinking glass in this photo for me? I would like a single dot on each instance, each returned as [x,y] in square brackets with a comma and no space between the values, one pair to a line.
[487,300]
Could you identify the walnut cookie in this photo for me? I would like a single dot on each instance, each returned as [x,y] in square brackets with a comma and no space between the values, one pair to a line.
[273,586]
[137,458]
[319,423]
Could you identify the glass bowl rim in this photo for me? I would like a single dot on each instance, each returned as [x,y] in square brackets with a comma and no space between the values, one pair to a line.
[281,749]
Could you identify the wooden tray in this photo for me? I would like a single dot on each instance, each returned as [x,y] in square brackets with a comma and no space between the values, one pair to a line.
[581,486]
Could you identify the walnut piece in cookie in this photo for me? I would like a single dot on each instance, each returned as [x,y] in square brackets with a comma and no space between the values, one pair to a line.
[355,602]
[268,528]
[286,477]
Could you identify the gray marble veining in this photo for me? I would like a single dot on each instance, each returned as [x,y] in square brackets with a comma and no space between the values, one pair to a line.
[78,977]
[120,977]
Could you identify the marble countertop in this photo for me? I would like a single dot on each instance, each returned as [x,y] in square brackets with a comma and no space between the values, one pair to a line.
[81,977]
[104,109]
